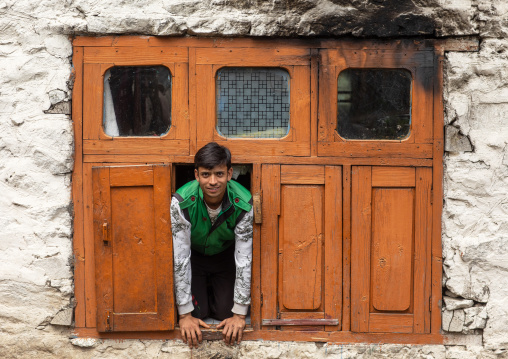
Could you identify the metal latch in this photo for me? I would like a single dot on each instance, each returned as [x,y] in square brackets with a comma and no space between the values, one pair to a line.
[256,201]
[105,233]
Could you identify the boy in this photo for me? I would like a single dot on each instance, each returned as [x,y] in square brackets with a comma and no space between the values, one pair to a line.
[211,220]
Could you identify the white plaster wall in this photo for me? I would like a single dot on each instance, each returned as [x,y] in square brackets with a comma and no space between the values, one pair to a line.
[36,151]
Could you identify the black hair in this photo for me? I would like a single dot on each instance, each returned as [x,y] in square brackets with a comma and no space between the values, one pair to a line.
[211,155]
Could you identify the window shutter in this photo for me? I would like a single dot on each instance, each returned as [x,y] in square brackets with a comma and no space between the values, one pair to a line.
[390,253]
[304,226]
[133,248]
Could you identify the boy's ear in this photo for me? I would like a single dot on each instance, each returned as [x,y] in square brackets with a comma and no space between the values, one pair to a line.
[196,174]
[230,173]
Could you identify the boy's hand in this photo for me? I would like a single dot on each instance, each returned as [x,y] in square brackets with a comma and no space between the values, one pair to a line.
[189,328]
[233,329]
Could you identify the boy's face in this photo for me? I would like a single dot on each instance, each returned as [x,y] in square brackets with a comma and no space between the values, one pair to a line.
[213,182]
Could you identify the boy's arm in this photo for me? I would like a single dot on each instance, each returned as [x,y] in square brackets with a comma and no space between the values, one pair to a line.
[243,260]
[181,229]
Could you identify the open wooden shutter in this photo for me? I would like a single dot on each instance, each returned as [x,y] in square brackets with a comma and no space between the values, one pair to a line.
[301,247]
[133,248]
[390,250]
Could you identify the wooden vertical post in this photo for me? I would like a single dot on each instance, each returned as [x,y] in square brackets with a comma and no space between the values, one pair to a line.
[77,189]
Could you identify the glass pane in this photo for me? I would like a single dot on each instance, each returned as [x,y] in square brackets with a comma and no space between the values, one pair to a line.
[137,101]
[374,104]
[252,102]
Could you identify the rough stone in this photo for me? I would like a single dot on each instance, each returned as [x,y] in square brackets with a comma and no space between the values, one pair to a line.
[454,303]
[455,141]
[476,317]
[457,322]
[63,317]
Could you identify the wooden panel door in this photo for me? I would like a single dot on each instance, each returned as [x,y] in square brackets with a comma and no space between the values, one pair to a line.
[133,248]
[391,238]
[301,246]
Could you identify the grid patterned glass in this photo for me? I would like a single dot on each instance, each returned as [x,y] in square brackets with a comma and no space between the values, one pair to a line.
[252,102]
[374,104]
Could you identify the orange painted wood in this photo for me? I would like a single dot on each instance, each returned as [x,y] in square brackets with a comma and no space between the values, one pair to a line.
[206,118]
[180,99]
[372,58]
[437,185]
[344,337]
[256,255]
[301,315]
[392,248]
[333,245]
[300,111]
[103,253]
[314,89]
[193,101]
[166,310]
[140,158]
[301,322]
[301,246]
[262,147]
[131,176]
[135,146]
[423,232]
[422,103]
[346,247]
[253,56]
[361,208]
[132,56]
[393,323]
[302,174]
[375,149]
[92,109]
[139,236]
[393,176]
[88,232]
[133,237]
[327,118]
[270,184]
[77,190]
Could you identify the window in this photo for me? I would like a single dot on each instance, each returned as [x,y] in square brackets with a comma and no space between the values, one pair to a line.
[374,104]
[137,101]
[339,142]
[252,102]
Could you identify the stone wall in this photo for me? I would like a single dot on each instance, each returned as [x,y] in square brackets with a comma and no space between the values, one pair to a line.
[36,149]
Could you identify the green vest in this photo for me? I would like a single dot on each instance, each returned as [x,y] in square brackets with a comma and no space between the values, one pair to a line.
[205,238]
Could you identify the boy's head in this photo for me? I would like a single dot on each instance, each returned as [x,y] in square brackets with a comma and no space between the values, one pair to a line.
[213,171]
[212,155]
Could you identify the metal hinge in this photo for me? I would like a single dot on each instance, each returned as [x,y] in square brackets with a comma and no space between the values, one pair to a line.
[108,321]
[430,304]
[431,197]
[261,299]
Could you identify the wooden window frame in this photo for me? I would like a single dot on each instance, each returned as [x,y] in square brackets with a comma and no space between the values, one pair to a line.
[92,148]
[98,60]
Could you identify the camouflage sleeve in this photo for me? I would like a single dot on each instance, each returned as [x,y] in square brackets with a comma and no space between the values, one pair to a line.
[243,260]
[181,230]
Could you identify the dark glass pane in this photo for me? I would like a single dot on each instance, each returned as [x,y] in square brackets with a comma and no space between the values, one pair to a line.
[252,102]
[137,101]
[374,104]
